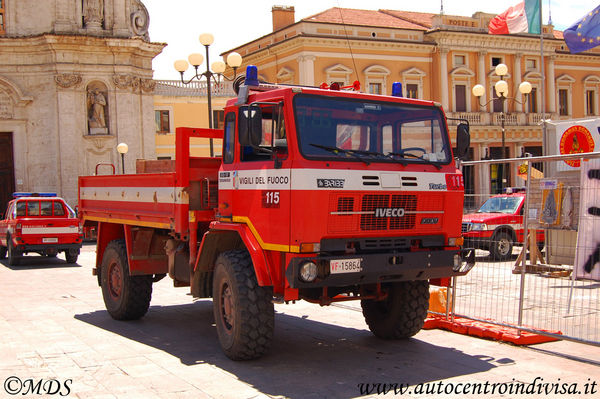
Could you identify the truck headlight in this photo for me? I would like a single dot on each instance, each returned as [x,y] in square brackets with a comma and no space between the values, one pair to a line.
[308,271]
[478,226]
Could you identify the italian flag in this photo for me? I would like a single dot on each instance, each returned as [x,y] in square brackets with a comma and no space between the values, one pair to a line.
[522,18]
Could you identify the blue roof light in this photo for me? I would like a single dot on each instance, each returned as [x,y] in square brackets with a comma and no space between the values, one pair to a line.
[251,76]
[32,194]
[397,89]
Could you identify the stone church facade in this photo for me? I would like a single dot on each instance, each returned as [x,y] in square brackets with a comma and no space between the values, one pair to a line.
[75,80]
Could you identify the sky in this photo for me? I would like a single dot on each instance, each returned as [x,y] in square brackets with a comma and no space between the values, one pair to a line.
[235,22]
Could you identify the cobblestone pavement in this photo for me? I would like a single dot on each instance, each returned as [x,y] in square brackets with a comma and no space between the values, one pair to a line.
[54,327]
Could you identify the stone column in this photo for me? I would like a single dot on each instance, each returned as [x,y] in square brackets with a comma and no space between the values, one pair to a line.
[306,67]
[551,95]
[517,82]
[482,78]
[444,77]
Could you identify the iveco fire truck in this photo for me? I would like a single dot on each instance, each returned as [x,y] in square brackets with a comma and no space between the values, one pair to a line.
[321,194]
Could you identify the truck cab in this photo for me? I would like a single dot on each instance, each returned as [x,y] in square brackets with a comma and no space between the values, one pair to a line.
[41,223]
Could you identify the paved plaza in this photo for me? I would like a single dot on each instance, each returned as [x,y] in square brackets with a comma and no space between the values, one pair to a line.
[54,328]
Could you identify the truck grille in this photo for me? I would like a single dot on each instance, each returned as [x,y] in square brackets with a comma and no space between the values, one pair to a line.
[353,212]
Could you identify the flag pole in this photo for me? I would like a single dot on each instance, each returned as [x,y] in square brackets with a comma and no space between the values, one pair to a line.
[543,67]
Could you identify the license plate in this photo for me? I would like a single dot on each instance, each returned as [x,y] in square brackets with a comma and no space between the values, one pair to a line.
[345,266]
[49,240]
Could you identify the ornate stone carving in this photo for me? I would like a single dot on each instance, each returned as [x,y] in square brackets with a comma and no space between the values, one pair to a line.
[6,106]
[134,83]
[93,13]
[148,85]
[66,80]
[139,19]
[122,81]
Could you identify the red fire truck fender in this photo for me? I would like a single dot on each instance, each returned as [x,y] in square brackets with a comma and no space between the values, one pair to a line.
[225,236]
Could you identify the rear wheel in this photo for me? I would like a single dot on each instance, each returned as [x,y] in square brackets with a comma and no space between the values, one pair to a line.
[71,255]
[126,297]
[243,310]
[402,313]
[501,246]
[14,255]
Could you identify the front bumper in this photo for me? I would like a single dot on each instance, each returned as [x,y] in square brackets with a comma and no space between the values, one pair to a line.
[382,267]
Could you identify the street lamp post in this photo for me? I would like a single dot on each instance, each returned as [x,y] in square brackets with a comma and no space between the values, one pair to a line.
[501,88]
[122,149]
[234,60]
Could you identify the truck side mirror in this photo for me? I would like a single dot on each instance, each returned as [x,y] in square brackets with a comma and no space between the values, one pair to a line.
[463,140]
[250,126]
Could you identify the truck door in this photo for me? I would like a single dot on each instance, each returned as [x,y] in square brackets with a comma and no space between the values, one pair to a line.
[261,177]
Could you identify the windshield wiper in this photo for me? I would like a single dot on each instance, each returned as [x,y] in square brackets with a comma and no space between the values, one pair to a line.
[337,150]
[405,154]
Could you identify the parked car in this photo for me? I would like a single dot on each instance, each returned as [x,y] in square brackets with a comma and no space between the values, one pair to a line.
[498,225]
[41,223]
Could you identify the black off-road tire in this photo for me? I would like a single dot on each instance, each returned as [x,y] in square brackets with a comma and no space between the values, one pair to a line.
[14,255]
[243,310]
[3,251]
[402,314]
[501,246]
[126,297]
[71,256]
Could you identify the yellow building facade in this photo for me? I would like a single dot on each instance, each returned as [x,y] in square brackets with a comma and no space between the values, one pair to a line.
[435,57]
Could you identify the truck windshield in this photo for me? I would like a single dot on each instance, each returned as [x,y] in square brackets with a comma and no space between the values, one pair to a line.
[501,205]
[370,131]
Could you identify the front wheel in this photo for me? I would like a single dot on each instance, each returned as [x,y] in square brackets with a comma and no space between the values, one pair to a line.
[126,297]
[402,314]
[243,310]
[501,246]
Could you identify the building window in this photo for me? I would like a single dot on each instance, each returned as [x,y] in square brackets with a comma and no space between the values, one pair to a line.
[164,158]
[498,103]
[2,28]
[532,104]
[460,98]
[376,79]
[412,90]
[590,102]
[563,101]
[163,124]
[496,61]
[218,117]
[531,64]
[459,60]
[375,88]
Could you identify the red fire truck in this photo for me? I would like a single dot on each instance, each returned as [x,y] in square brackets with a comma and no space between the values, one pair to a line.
[42,223]
[322,195]
[498,225]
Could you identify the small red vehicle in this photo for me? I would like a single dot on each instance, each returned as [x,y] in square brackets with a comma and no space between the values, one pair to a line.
[498,225]
[42,223]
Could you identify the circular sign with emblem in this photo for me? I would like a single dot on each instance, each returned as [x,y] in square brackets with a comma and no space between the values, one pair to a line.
[576,139]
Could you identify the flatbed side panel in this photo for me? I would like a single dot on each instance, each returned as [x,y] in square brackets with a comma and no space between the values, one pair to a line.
[152,200]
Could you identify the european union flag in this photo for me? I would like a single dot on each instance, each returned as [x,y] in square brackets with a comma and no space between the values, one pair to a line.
[585,33]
